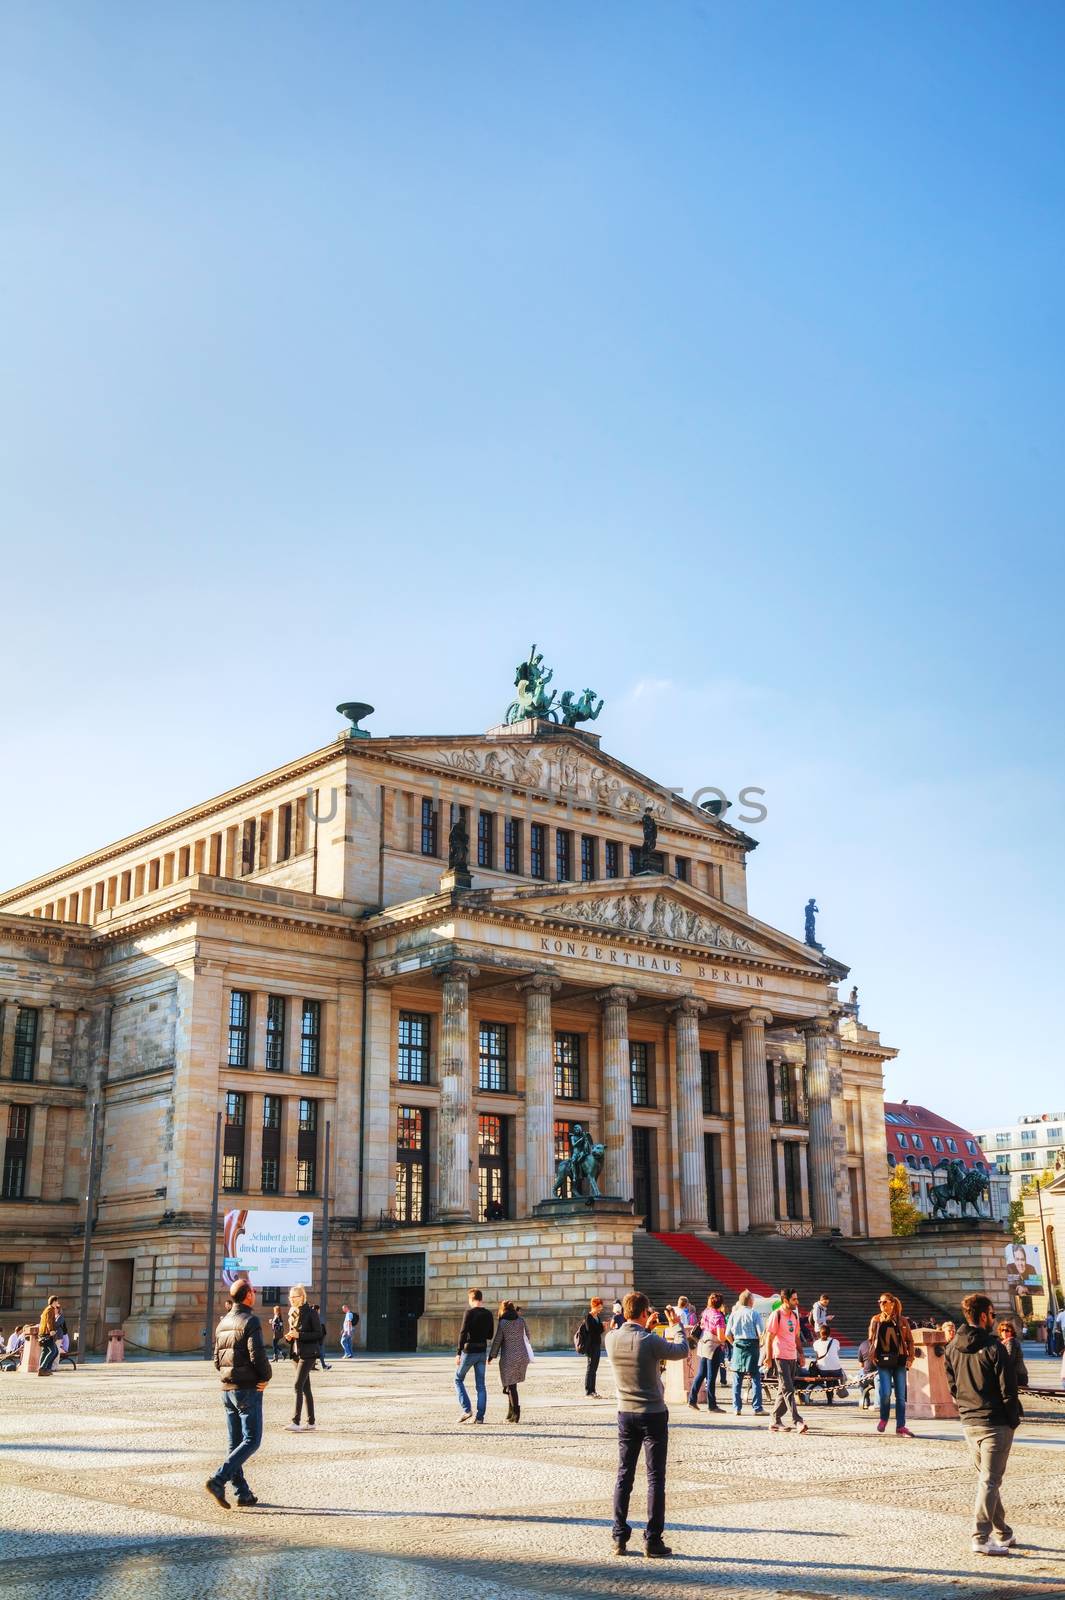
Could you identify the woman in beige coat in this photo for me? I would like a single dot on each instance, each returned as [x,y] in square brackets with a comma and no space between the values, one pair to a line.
[511,1345]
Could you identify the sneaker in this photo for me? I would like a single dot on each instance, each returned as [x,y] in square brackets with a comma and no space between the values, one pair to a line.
[655,1547]
[248,1500]
[760,1412]
[775,1427]
[1008,1539]
[802,1428]
[903,1433]
[309,1427]
[736,1412]
[692,1406]
[480,1420]
[293,1427]
[990,1547]
[621,1547]
[217,1491]
[464,1416]
[880,1427]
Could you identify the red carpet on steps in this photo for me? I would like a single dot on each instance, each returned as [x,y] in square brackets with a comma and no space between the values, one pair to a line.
[713,1262]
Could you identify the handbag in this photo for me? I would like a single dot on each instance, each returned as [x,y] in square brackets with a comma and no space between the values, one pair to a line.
[529,1351]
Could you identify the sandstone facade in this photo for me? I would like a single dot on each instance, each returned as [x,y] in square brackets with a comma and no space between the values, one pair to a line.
[293,953]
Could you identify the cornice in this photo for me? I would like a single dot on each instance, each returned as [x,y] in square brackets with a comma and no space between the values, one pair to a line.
[449,906]
[171,825]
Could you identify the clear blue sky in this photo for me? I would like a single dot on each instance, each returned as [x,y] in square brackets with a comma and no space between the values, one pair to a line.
[347,348]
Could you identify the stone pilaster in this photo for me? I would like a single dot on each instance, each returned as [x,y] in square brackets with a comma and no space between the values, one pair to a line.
[379,1141]
[348,1048]
[617,1091]
[257,1042]
[690,1148]
[752,1026]
[824,1202]
[253,1143]
[42,1067]
[8,1019]
[539,1088]
[456,1100]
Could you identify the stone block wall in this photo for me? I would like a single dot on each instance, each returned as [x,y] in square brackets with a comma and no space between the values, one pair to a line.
[941,1262]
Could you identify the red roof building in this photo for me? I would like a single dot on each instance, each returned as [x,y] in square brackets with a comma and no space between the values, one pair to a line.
[920,1140]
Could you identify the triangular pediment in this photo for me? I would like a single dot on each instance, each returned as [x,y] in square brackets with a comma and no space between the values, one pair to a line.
[558,762]
[653,906]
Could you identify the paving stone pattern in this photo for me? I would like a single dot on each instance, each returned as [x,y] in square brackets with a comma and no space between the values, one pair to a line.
[101,1495]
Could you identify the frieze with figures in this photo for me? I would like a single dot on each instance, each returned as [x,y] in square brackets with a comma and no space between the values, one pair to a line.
[563,770]
[659,916]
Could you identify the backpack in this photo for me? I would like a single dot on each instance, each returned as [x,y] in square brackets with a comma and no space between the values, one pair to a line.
[580,1339]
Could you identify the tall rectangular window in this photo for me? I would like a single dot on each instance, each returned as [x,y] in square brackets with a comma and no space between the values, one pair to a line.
[239,1027]
[233,1141]
[16,1149]
[640,1072]
[786,1080]
[486,839]
[567,1066]
[276,1018]
[8,1285]
[512,845]
[634,860]
[412,1061]
[430,829]
[493,1176]
[710,1063]
[271,1144]
[588,854]
[284,833]
[537,850]
[247,847]
[683,868]
[563,855]
[563,1152]
[25,1056]
[492,1056]
[412,1165]
[311,1037]
[611,859]
[307,1148]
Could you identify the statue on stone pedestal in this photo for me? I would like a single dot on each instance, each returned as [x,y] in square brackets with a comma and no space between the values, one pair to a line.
[458,845]
[646,858]
[812,908]
[534,699]
[582,1166]
[966,1188]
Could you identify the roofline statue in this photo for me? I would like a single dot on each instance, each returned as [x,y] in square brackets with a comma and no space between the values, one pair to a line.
[536,700]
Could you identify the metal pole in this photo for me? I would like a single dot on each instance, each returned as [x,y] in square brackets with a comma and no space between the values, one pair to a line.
[208,1332]
[1052,1304]
[325,1231]
[90,1186]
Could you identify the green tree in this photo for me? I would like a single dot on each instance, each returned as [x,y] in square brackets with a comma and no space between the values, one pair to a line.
[904,1214]
[1038,1180]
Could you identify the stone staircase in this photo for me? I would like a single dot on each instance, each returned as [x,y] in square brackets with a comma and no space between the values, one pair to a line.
[667,1265]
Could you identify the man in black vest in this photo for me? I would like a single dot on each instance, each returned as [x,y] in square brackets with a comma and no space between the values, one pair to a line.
[240,1356]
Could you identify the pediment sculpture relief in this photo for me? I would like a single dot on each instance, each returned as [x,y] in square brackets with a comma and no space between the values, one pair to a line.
[564,770]
[659,916]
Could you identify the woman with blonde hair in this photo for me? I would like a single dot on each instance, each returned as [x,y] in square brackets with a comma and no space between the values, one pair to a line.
[891,1351]
[304,1338]
[511,1344]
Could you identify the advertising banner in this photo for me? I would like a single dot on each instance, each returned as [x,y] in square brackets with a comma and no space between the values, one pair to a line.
[268,1247]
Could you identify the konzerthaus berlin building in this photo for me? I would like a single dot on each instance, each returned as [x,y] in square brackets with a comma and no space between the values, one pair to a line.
[295,953]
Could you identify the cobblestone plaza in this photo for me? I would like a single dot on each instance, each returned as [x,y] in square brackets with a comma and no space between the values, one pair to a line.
[102,1471]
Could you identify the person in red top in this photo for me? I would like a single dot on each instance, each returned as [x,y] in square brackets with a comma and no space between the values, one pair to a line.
[784,1347]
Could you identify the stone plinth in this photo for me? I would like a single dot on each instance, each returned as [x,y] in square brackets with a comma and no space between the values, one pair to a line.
[927,1390]
[551,1265]
[583,1206]
[30,1358]
[944,1261]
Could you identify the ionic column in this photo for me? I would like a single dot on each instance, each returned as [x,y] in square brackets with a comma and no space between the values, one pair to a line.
[752,1025]
[691,1150]
[617,1091]
[539,1088]
[824,1202]
[453,1201]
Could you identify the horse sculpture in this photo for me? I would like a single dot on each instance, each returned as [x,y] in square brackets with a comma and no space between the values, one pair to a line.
[581,1167]
[966,1188]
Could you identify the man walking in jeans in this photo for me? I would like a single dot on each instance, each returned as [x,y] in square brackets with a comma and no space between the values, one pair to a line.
[784,1347]
[475,1336]
[240,1356]
[643,1420]
[983,1382]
